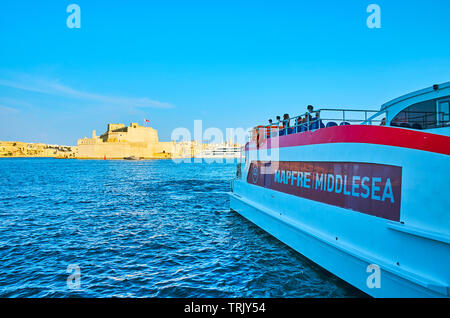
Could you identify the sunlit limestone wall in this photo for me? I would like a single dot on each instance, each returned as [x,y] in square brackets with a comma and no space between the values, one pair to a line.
[120,141]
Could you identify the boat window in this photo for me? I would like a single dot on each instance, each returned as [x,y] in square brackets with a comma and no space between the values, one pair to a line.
[444,111]
[428,114]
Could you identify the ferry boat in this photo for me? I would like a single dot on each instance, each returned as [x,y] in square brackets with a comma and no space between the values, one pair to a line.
[232,152]
[364,194]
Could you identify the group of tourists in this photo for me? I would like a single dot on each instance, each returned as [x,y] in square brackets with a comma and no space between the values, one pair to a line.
[301,120]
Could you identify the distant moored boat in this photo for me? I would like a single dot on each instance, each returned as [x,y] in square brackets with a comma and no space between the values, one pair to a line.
[131,158]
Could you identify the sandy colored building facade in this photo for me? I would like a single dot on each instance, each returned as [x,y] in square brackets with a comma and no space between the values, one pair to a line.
[120,141]
[25,149]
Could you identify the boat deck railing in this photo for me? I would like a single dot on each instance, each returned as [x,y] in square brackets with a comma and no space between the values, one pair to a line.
[329,117]
[322,118]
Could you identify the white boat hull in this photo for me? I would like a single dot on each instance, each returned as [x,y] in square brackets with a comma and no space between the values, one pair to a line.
[412,252]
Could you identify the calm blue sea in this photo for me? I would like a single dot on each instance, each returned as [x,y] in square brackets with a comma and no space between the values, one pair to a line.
[140,229]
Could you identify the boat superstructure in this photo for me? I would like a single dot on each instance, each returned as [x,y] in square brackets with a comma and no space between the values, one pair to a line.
[361,193]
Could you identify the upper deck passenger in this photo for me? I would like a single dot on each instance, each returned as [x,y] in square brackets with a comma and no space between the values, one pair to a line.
[308,116]
[286,121]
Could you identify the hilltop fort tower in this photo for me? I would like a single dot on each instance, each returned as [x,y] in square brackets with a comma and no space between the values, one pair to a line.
[120,141]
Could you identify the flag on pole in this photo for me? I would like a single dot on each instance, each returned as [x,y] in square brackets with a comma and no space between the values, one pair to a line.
[146,120]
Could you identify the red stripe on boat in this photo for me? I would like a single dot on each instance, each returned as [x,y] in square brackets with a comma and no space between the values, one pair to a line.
[378,135]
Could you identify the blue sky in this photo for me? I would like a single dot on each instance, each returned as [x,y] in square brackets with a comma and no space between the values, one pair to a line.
[229,63]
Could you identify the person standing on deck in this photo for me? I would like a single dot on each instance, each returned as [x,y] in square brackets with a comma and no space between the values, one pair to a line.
[286,123]
[308,116]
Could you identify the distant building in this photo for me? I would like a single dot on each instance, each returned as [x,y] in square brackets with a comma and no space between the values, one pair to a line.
[24,149]
[119,142]
[226,150]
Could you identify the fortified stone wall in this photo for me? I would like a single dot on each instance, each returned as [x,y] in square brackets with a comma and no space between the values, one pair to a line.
[119,142]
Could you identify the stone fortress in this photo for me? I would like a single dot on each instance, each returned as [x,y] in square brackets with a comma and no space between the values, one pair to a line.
[142,142]
[120,141]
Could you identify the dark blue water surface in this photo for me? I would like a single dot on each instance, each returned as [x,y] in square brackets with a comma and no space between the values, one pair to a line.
[140,229]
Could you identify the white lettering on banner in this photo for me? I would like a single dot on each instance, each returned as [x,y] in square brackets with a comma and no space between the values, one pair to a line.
[376,188]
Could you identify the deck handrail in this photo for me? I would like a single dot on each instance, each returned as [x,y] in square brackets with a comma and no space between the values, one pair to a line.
[293,122]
